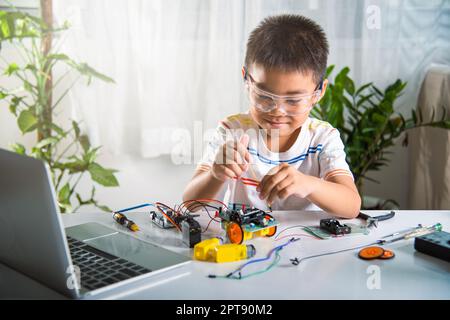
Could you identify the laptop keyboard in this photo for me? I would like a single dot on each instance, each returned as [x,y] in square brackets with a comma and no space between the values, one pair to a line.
[98,268]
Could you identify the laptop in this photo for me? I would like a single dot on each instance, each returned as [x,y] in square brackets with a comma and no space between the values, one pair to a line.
[79,261]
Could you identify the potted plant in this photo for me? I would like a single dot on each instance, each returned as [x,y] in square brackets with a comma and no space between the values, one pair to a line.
[66,150]
[369,125]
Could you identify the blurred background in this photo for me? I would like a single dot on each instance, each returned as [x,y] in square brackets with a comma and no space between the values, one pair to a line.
[177,65]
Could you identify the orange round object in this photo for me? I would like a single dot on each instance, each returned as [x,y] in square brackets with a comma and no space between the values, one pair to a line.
[235,233]
[387,254]
[272,231]
[370,253]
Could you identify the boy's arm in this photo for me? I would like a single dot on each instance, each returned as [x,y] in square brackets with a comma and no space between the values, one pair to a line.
[203,185]
[337,195]
[231,161]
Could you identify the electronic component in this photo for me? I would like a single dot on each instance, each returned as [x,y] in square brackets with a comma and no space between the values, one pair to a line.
[436,244]
[334,227]
[191,231]
[161,220]
[212,250]
[123,220]
[245,223]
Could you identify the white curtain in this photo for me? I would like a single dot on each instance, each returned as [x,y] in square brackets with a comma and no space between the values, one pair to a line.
[176,62]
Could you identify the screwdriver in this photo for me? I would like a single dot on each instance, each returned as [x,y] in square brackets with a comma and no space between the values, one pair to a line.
[123,220]
[416,232]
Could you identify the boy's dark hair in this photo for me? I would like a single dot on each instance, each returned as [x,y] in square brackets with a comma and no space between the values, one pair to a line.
[290,43]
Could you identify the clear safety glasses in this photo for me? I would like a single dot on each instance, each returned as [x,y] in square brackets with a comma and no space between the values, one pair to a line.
[289,105]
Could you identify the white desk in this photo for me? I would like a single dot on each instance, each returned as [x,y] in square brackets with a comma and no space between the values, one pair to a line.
[410,275]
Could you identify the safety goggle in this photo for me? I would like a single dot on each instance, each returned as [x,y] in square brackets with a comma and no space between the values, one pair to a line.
[290,105]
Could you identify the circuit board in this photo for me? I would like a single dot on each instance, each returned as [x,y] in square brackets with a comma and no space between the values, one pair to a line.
[317,231]
[160,220]
[252,227]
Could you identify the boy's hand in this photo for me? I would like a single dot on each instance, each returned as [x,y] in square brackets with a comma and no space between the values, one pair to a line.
[284,181]
[232,159]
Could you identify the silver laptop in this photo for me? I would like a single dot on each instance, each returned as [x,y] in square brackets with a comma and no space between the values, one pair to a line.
[79,261]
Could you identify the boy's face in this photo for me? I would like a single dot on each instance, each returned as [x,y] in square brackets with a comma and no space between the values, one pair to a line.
[282,83]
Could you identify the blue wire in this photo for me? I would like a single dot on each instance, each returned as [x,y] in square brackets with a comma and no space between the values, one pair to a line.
[277,248]
[136,207]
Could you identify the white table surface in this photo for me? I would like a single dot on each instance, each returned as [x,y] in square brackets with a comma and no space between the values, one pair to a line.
[410,275]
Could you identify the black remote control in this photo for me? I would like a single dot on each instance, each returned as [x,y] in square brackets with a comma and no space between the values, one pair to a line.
[436,244]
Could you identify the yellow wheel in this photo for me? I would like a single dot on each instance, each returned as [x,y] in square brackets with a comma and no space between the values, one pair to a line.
[235,233]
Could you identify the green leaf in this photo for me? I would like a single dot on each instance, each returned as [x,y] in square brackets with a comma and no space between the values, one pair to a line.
[85,69]
[91,155]
[12,68]
[84,141]
[3,95]
[65,207]
[18,148]
[58,130]
[64,193]
[362,88]
[76,128]
[367,130]
[350,86]
[75,166]
[26,121]
[15,101]
[103,176]
[46,142]
[329,70]
[13,108]
[19,25]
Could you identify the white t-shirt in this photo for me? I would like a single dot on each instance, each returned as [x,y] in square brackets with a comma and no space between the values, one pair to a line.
[318,151]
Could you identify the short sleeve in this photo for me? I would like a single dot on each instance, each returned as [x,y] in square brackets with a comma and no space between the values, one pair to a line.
[213,143]
[332,157]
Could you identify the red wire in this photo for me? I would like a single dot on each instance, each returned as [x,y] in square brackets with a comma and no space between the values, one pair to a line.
[166,206]
[187,202]
[169,218]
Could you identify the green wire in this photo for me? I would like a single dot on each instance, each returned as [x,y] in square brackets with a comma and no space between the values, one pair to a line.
[273,264]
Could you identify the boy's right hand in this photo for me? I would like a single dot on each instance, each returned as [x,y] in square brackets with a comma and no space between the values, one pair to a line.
[232,159]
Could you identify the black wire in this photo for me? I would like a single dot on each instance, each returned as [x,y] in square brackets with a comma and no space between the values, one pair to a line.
[211,220]
[199,204]
[204,205]
[296,226]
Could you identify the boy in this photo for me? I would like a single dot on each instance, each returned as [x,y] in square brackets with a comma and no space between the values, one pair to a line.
[278,155]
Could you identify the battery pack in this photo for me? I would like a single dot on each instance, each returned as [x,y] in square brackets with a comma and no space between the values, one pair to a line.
[436,244]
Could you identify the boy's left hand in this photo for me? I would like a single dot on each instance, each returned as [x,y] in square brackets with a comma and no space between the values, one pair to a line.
[284,181]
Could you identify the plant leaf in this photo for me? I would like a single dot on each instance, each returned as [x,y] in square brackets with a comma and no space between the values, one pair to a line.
[12,68]
[76,128]
[84,141]
[45,142]
[63,194]
[18,148]
[103,176]
[26,121]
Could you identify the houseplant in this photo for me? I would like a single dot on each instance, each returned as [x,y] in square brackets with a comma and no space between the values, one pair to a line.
[367,121]
[65,149]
